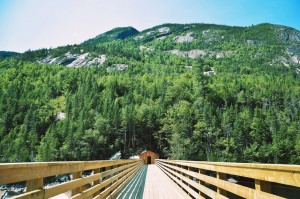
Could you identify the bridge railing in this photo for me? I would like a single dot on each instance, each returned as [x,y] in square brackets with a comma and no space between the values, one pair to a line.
[107,177]
[202,179]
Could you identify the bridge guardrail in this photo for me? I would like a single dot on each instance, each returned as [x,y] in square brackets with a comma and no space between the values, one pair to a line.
[107,179]
[201,179]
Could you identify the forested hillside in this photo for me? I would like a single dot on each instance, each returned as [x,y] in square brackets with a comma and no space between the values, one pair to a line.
[192,91]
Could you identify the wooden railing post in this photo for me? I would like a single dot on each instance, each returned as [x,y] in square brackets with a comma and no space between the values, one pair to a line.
[96,181]
[107,177]
[221,176]
[76,175]
[263,186]
[34,184]
[201,171]
[190,169]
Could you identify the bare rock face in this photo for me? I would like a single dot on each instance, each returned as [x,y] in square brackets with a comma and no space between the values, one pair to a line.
[196,53]
[191,54]
[288,34]
[178,52]
[146,48]
[79,61]
[61,116]
[295,59]
[118,67]
[293,51]
[96,61]
[252,42]
[287,61]
[186,38]
[210,72]
[211,35]
[74,60]
[138,37]
[189,67]
[150,33]
[222,54]
[163,30]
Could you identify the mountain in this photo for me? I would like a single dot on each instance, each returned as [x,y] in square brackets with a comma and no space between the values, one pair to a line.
[116,33]
[188,40]
[187,91]
[7,54]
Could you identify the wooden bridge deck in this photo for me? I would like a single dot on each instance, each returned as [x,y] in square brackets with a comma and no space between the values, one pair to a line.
[152,183]
[159,186]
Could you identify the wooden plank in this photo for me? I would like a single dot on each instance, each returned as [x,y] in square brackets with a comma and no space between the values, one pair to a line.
[124,181]
[179,180]
[159,186]
[96,171]
[279,174]
[189,168]
[64,187]
[17,172]
[107,169]
[201,182]
[285,167]
[221,176]
[34,184]
[203,189]
[114,186]
[263,186]
[98,187]
[239,190]
[36,194]
[76,175]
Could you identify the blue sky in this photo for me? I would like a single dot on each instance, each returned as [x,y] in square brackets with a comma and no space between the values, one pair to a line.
[34,24]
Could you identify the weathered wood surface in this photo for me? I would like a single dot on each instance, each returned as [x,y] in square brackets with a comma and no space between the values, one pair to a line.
[167,179]
[16,172]
[159,186]
[100,184]
[191,173]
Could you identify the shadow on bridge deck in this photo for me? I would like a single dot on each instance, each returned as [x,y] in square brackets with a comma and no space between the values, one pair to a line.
[151,183]
[135,187]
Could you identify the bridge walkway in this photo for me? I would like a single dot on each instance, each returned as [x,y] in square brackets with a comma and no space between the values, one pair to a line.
[151,183]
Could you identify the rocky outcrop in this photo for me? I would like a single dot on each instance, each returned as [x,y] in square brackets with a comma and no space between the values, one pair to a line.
[210,72]
[118,67]
[146,48]
[293,52]
[252,42]
[61,116]
[157,34]
[74,60]
[163,30]
[79,60]
[178,52]
[196,53]
[293,49]
[286,61]
[286,34]
[189,67]
[184,38]
[191,54]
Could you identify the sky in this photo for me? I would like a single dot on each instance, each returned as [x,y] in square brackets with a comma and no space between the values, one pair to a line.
[35,24]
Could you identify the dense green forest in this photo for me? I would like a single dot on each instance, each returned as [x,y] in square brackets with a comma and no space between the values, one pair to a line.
[243,106]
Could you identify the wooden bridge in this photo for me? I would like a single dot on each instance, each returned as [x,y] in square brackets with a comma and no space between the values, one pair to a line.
[166,179]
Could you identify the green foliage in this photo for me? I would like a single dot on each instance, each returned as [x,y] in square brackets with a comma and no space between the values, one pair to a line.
[249,111]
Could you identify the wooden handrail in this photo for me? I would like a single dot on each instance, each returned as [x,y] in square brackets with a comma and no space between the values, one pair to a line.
[104,183]
[191,176]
